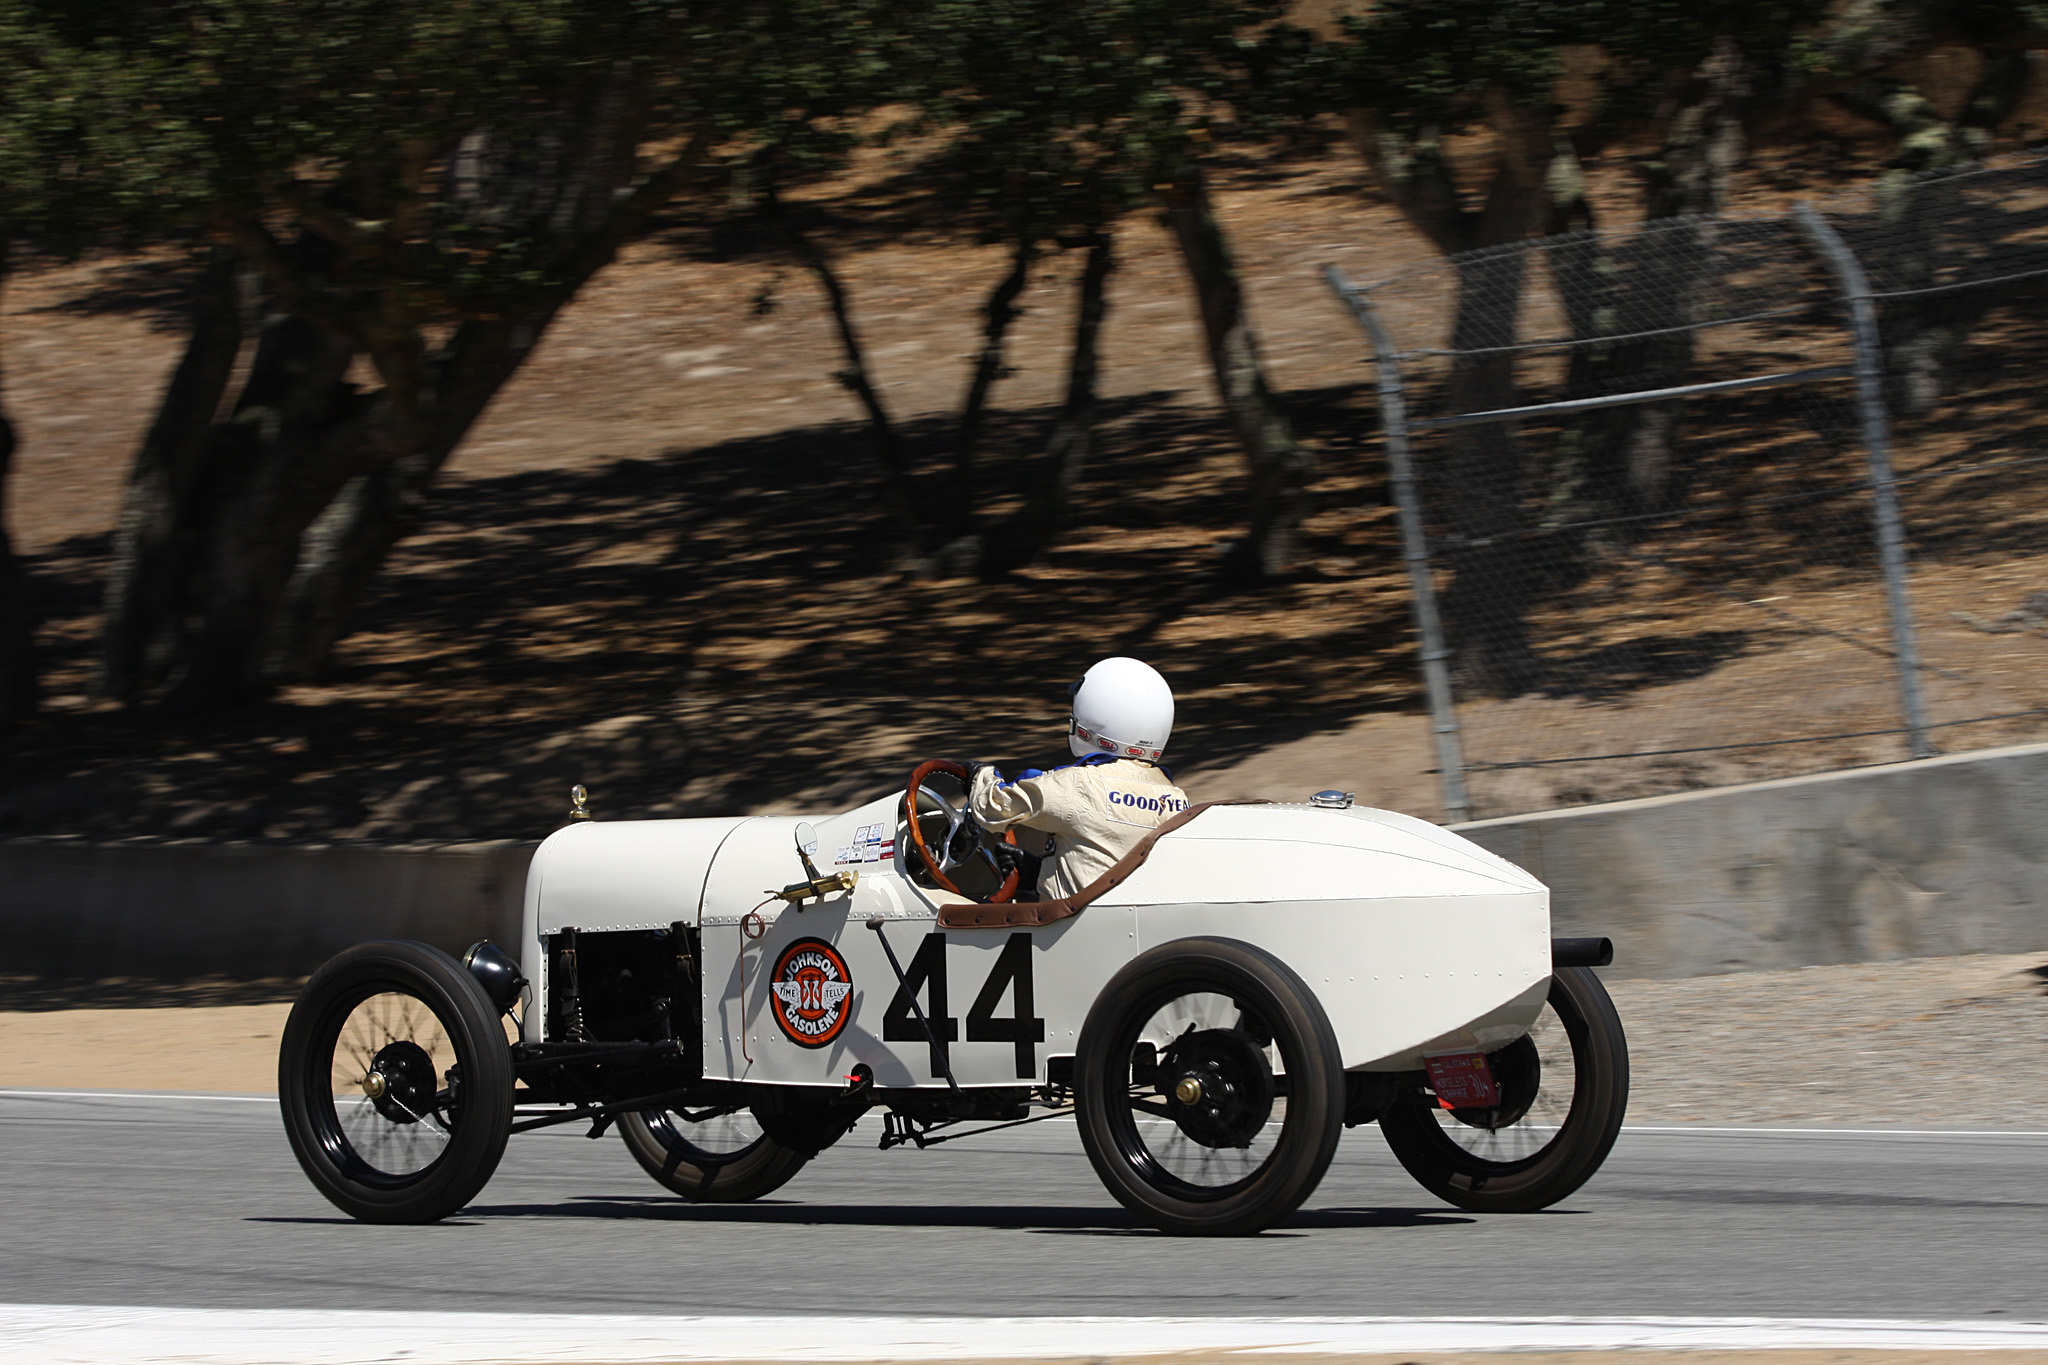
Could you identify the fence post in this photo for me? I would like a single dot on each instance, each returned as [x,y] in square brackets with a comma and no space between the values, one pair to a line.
[1891,539]
[1436,676]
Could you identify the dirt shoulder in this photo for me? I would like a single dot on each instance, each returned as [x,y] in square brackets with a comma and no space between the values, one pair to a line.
[218,1048]
[1939,1041]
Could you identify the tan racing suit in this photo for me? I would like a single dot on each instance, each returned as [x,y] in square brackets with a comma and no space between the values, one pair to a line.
[1088,815]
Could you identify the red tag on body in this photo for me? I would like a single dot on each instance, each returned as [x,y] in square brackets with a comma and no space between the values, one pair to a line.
[1462,1080]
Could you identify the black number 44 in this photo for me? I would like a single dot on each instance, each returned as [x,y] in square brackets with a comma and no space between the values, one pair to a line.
[1011,976]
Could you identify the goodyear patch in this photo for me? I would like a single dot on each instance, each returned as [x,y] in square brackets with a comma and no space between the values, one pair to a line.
[1146,812]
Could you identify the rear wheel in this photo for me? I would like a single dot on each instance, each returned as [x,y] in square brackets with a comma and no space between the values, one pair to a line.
[714,1156]
[1563,1092]
[395,1082]
[1209,1088]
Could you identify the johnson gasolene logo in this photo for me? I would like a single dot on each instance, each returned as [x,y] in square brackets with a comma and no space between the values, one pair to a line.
[812,991]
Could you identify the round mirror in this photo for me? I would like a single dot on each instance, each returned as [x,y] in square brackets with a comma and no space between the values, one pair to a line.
[806,838]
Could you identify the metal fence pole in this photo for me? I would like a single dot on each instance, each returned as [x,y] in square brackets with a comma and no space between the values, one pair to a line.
[1436,676]
[1891,539]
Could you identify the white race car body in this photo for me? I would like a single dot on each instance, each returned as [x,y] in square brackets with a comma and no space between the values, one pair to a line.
[1414,940]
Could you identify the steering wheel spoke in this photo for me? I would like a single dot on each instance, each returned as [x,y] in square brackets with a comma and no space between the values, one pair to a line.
[940,861]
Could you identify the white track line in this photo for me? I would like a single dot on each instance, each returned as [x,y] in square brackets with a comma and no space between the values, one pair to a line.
[1833,1132]
[66,1335]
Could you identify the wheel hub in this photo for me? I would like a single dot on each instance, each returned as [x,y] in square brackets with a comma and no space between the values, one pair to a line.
[402,1082]
[1218,1087]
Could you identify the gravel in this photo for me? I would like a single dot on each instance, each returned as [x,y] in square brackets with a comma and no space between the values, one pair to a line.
[1956,1041]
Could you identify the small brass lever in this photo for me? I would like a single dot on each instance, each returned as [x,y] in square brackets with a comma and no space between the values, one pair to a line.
[796,893]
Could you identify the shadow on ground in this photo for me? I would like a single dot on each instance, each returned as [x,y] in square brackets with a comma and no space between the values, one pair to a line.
[740,625]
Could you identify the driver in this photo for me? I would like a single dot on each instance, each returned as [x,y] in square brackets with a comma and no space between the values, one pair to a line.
[1093,811]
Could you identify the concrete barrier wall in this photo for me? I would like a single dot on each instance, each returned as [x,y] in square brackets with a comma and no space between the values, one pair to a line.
[1944,856]
[1938,857]
[172,911]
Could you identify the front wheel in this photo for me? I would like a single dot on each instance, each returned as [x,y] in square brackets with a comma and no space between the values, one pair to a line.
[395,1082]
[1565,1089]
[718,1156]
[1209,1088]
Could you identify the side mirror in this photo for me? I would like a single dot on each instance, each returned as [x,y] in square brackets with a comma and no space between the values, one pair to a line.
[806,845]
[818,885]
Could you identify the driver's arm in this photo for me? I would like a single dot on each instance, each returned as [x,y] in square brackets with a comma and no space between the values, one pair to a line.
[998,804]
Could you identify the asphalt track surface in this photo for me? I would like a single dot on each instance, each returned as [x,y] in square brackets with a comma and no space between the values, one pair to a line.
[197,1202]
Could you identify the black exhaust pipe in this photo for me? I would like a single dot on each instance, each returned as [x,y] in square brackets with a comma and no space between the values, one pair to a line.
[1581,952]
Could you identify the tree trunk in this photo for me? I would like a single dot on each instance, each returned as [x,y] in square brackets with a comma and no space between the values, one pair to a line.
[298,434]
[1704,142]
[343,549]
[1622,462]
[17,615]
[1917,218]
[156,535]
[1480,484]
[577,194]
[1046,512]
[1279,468]
[247,541]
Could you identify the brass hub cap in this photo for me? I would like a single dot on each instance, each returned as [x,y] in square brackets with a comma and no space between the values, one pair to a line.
[1189,1091]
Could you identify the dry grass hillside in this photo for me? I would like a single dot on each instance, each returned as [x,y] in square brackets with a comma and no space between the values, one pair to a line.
[661,565]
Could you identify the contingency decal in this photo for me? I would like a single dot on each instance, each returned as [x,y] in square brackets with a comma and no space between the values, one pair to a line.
[1462,1080]
[871,844]
[811,992]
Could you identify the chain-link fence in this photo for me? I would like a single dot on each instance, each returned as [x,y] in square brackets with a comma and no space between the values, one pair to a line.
[1713,500]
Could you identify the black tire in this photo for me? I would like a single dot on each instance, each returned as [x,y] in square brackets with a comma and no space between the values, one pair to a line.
[1567,1083]
[406,1018]
[1170,1161]
[721,1160]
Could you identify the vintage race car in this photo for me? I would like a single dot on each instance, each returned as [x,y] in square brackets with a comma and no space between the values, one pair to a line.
[735,994]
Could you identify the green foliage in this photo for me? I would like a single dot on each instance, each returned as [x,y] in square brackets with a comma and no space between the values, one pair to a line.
[431,142]
[1064,116]
[90,145]
[1435,63]
[1440,64]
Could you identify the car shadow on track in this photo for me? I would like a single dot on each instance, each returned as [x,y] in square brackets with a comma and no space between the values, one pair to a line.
[1032,1218]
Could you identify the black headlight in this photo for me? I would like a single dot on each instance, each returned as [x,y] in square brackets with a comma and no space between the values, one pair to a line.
[495,972]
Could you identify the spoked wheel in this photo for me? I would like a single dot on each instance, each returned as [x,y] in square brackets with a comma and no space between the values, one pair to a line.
[1563,1091]
[1209,1088]
[713,1156]
[395,1080]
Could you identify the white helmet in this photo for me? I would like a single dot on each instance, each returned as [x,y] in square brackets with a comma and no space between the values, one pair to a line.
[1122,707]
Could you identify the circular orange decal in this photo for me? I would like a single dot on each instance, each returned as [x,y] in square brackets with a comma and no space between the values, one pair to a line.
[811,991]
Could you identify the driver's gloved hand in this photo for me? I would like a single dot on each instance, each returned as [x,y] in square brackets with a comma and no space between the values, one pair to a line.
[974,771]
[1007,856]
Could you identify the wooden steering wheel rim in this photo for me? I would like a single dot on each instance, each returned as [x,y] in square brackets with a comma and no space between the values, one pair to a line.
[931,863]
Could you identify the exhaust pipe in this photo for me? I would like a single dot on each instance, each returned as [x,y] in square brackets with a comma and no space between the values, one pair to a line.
[1581,952]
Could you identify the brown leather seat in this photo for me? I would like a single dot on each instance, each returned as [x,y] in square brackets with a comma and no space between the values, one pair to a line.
[1025,914]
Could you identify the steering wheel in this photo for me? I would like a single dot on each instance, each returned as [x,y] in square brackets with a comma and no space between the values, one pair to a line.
[959,823]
